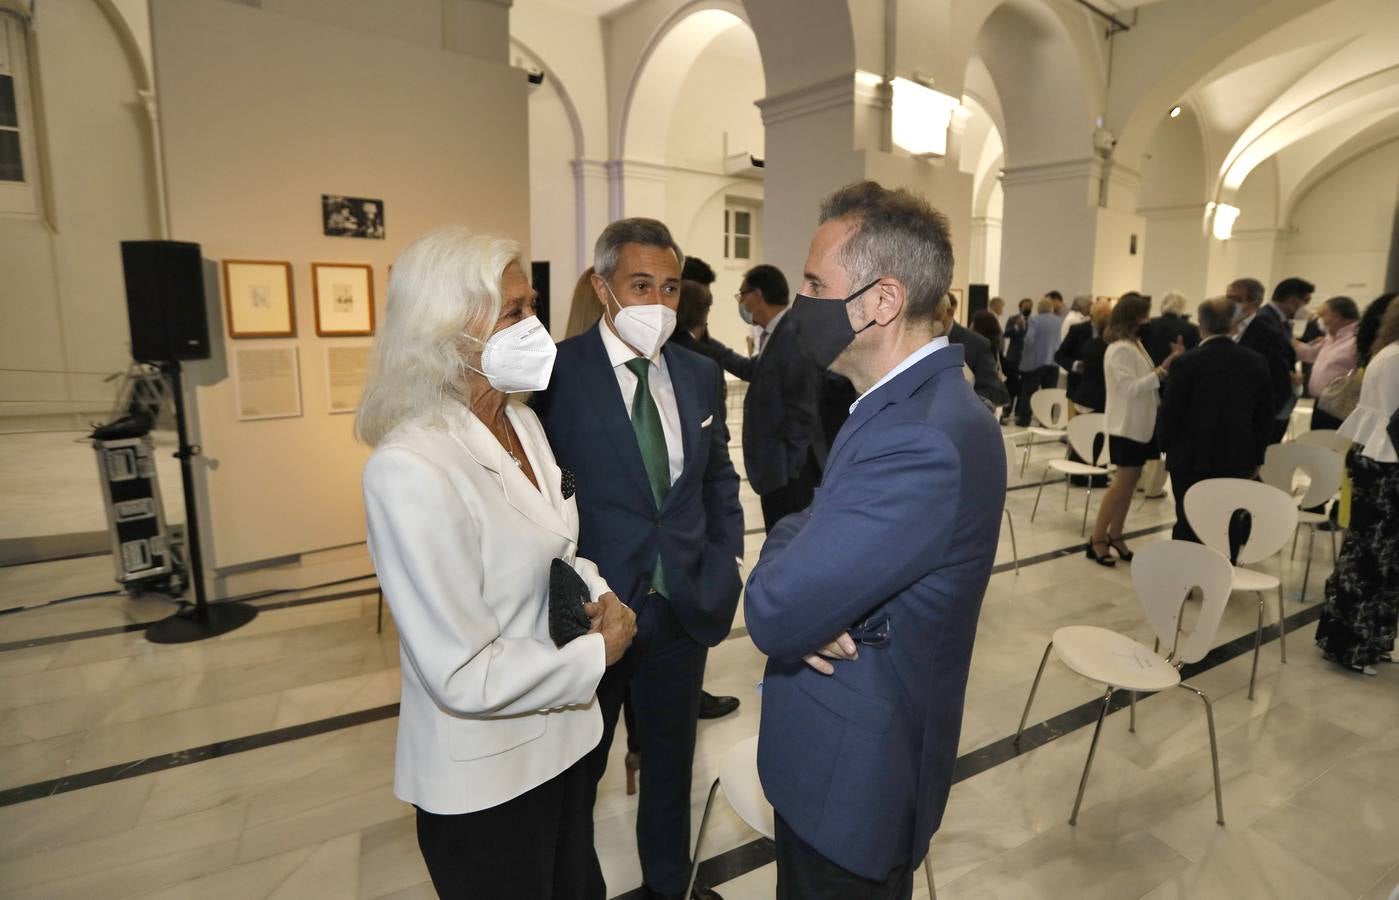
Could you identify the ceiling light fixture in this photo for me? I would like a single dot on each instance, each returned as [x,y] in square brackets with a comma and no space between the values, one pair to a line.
[1175,112]
[1224,218]
[921,118]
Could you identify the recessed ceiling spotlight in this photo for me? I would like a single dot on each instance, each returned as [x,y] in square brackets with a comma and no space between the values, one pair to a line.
[1175,112]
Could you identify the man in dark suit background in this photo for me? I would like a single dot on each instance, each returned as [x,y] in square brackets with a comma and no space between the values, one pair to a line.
[1161,332]
[1267,329]
[981,359]
[784,448]
[640,426]
[866,604]
[1217,411]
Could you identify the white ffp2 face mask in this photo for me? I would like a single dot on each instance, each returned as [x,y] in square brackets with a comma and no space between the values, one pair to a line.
[645,328]
[519,358]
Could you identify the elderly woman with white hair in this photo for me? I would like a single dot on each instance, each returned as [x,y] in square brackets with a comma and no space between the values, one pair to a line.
[1161,332]
[469,518]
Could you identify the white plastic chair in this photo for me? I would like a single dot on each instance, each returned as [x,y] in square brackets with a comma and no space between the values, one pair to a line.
[1010,523]
[1084,430]
[1050,408]
[738,776]
[1325,437]
[1324,469]
[1210,507]
[1165,575]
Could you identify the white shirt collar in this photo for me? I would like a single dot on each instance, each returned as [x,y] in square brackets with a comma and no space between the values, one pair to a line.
[618,353]
[909,362]
[772,323]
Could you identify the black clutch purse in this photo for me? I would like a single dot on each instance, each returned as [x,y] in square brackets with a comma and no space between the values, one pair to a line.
[567,594]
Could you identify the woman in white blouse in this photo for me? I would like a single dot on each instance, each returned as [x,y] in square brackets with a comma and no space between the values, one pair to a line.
[1133,395]
[1359,618]
[467,511]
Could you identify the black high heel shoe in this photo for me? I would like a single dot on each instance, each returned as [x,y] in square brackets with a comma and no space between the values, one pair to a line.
[1104,560]
[1123,553]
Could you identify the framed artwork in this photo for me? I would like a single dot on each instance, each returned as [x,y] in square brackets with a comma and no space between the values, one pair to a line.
[257,296]
[344,299]
[347,369]
[267,382]
[361,217]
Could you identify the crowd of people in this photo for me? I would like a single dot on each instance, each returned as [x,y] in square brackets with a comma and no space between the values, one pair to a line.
[557,527]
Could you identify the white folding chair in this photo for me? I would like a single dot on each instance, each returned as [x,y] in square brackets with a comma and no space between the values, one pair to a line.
[1325,437]
[1324,469]
[1165,576]
[1211,507]
[738,776]
[1084,432]
[1010,523]
[1050,408]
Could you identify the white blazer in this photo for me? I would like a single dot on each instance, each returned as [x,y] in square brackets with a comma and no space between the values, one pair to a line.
[462,544]
[1133,391]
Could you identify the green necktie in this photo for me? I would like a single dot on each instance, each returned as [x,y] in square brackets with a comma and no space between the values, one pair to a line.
[650,437]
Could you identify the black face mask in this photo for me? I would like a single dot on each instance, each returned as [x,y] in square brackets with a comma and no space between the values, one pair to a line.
[823,326]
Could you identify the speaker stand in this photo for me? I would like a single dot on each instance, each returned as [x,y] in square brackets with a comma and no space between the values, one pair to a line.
[205,620]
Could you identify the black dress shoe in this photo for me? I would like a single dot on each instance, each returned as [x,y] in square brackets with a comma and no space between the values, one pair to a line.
[712,707]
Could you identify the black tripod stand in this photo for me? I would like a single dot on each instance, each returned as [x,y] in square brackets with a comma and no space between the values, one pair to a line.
[204,620]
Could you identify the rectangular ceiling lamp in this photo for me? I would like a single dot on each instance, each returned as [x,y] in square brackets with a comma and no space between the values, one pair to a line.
[1224,216]
[921,118]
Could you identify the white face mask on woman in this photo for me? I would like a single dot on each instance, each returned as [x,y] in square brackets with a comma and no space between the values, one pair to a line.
[519,358]
[645,327]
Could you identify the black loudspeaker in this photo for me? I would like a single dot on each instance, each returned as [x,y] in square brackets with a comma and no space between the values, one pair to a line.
[165,300]
[539,280]
[978,296]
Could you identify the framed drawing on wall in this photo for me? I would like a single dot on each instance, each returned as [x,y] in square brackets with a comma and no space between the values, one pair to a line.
[257,296]
[344,299]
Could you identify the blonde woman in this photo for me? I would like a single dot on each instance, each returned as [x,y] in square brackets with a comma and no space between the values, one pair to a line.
[467,511]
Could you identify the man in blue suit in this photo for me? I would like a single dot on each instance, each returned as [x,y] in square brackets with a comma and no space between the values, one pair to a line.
[866,603]
[640,425]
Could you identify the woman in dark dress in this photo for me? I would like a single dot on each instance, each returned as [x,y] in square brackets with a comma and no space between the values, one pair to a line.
[1361,613]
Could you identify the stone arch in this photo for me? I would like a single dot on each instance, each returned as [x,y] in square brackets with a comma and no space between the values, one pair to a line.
[570,108]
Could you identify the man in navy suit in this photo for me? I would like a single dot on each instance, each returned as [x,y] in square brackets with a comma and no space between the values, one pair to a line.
[640,424]
[866,603]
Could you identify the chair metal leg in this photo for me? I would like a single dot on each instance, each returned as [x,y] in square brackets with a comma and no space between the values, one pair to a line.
[1092,748]
[699,838]
[1282,626]
[1257,646]
[1296,531]
[1043,476]
[1067,479]
[1025,460]
[1033,687]
[1307,572]
[928,871]
[379,622]
[1087,497]
[1132,722]
[1214,751]
[1014,549]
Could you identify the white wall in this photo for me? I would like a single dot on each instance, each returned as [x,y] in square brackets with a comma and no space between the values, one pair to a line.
[553,204]
[1342,228]
[372,114]
[62,301]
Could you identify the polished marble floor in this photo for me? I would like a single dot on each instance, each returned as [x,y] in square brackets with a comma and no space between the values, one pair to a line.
[1311,784]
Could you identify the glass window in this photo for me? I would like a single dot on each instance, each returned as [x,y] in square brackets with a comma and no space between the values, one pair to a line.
[738,233]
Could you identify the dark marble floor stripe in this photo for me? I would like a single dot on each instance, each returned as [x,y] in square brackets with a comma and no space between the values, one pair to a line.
[252,598]
[1076,549]
[179,758]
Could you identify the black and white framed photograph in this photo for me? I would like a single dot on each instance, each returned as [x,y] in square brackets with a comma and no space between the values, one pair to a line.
[360,217]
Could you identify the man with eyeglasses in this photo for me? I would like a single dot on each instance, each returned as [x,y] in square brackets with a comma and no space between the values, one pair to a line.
[783,446]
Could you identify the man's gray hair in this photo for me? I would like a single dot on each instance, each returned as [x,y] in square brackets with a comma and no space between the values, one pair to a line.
[1083,303]
[1253,289]
[898,235]
[1174,303]
[647,232]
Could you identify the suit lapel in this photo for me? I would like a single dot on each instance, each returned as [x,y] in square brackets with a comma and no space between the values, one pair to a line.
[600,385]
[535,504]
[687,403]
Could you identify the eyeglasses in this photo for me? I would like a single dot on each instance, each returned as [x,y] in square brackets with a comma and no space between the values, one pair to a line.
[873,632]
[738,294]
